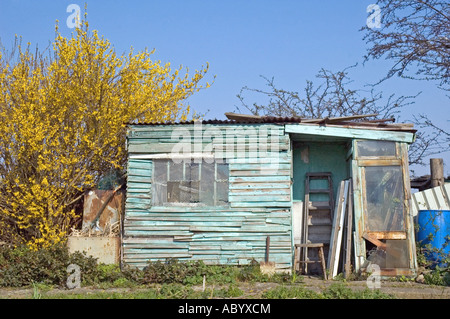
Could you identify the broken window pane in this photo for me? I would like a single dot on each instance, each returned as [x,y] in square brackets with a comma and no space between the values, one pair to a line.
[394,255]
[222,172]
[376,148]
[222,193]
[160,170]
[159,193]
[190,182]
[207,184]
[173,192]
[384,198]
[176,171]
[194,192]
[192,171]
[159,186]
[397,253]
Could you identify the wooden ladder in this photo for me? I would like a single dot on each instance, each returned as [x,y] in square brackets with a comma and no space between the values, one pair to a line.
[309,209]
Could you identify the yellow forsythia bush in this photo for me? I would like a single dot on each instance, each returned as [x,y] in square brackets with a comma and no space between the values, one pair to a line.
[62,119]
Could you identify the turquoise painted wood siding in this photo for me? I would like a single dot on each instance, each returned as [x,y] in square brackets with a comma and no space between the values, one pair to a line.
[259,198]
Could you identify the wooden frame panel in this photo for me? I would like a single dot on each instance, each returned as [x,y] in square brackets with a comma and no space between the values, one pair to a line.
[360,215]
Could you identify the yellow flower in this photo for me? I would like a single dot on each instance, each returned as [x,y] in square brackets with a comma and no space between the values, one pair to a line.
[61,124]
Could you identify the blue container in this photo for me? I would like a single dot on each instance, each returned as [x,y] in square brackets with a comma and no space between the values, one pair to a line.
[434,230]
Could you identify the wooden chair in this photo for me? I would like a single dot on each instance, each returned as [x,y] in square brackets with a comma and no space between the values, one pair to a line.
[298,259]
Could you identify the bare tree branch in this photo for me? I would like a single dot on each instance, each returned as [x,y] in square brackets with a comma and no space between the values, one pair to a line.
[415,35]
[330,97]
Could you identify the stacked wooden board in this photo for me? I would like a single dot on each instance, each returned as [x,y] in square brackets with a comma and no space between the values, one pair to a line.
[341,234]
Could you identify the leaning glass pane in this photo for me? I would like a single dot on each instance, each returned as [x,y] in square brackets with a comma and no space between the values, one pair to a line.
[384,198]
[376,148]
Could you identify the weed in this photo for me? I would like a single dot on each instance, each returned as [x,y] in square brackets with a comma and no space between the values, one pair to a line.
[36,292]
[342,291]
[284,292]
[175,291]
[232,291]
[334,291]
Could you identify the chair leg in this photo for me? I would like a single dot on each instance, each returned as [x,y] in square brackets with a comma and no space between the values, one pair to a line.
[295,258]
[322,261]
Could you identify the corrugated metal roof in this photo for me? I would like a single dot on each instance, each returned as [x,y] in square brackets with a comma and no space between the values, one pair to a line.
[340,122]
[268,119]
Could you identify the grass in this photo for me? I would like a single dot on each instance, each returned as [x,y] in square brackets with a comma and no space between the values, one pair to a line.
[180,291]
[165,291]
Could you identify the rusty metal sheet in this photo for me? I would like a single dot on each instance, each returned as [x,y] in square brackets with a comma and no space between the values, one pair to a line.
[93,201]
[106,249]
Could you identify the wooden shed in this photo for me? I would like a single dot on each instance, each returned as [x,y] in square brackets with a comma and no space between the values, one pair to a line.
[232,191]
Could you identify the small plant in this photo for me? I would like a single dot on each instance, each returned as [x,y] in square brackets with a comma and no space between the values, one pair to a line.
[175,291]
[338,291]
[252,273]
[340,277]
[232,291]
[36,292]
[342,291]
[23,266]
[438,276]
[284,292]
[108,273]
[123,283]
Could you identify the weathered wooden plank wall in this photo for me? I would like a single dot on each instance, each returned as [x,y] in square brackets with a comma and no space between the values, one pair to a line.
[259,198]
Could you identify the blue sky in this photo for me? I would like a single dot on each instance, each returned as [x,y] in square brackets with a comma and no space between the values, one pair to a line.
[241,40]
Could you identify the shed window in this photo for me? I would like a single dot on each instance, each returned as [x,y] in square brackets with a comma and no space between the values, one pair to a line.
[384,196]
[376,148]
[190,183]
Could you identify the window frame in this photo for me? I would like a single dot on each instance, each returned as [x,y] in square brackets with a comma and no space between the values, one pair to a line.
[382,234]
[364,236]
[379,161]
[377,157]
[200,163]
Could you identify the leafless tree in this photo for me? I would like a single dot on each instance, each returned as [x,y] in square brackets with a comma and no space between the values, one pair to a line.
[331,96]
[415,36]
[430,140]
